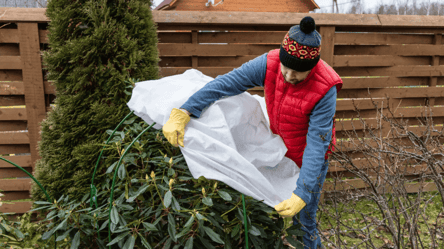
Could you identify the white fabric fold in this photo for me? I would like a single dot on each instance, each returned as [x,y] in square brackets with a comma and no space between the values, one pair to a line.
[231,141]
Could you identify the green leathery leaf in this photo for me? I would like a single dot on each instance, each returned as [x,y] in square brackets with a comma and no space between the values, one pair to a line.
[121,173]
[293,230]
[200,217]
[182,233]
[111,168]
[50,214]
[254,231]
[172,227]
[19,233]
[48,234]
[189,222]
[145,243]
[189,244]
[171,172]
[114,215]
[279,244]
[293,242]
[207,201]
[62,225]
[42,203]
[149,226]
[167,198]
[129,244]
[224,195]
[118,238]
[63,236]
[175,203]
[167,244]
[139,192]
[206,243]
[213,235]
[235,231]
[76,241]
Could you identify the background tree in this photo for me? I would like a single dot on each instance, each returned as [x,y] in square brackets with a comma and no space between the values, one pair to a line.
[95,47]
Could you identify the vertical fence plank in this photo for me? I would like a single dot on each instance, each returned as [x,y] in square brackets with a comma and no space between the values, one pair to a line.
[194,40]
[328,43]
[33,81]
[435,62]
[327,54]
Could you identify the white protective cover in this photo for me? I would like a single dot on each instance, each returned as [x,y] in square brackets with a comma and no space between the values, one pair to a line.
[231,141]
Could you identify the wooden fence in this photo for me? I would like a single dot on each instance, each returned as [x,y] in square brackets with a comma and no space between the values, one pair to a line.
[401,50]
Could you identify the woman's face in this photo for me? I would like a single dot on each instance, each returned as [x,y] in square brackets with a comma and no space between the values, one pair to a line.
[293,77]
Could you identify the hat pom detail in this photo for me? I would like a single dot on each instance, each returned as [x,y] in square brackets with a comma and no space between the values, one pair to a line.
[307,25]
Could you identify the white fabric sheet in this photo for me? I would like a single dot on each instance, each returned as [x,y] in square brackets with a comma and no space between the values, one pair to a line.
[231,141]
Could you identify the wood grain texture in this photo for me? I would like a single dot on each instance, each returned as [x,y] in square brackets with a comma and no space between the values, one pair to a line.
[381,82]
[15,184]
[262,18]
[183,49]
[17,207]
[14,149]
[11,75]
[9,49]
[249,18]
[9,36]
[405,50]
[14,138]
[22,161]
[12,100]
[328,44]
[43,36]
[398,71]
[15,195]
[386,29]
[381,39]
[12,125]
[33,81]
[23,14]
[14,172]
[12,88]
[417,92]
[14,114]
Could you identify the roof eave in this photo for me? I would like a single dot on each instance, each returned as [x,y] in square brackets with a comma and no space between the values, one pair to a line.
[315,4]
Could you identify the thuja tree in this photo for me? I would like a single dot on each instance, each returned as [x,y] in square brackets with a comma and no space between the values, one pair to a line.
[95,46]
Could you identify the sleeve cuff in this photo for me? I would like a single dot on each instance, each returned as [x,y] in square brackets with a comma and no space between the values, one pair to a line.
[194,112]
[303,194]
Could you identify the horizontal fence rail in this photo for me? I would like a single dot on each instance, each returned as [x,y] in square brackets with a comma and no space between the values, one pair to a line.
[389,62]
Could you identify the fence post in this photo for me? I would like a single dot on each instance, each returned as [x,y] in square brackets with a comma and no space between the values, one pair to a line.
[435,62]
[194,40]
[327,44]
[327,55]
[33,83]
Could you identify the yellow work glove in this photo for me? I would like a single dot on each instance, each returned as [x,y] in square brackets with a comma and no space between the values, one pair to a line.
[174,128]
[290,207]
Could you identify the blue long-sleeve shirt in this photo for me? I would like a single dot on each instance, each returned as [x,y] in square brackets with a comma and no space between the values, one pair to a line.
[252,74]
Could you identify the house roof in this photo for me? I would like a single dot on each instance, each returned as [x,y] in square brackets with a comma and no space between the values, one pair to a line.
[168,4]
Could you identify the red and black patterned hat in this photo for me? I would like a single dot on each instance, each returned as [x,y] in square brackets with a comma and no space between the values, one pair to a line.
[301,48]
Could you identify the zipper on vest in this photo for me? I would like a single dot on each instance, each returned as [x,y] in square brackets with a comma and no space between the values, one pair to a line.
[279,108]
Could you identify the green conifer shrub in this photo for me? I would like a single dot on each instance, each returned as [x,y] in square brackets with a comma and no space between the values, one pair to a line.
[95,46]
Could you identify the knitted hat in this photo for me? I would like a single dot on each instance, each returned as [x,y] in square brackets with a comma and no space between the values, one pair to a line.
[301,48]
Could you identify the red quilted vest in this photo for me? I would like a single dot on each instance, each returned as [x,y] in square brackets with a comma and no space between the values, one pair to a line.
[289,106]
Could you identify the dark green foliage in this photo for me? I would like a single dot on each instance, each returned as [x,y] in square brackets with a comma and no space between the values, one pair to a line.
[95,46]
[24,234]
[158,204]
